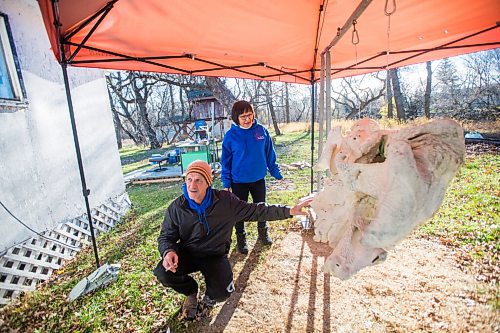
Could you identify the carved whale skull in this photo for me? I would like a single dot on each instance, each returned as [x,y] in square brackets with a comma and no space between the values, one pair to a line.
[383,184]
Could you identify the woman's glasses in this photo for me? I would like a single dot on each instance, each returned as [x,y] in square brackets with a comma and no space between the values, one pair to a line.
[245,116]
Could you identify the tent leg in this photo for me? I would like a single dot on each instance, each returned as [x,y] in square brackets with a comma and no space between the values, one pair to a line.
[86,191]
[312,128]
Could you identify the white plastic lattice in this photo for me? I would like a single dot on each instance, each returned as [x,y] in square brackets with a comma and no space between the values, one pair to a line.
[23,266]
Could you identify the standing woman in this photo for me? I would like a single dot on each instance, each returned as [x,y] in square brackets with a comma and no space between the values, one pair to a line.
[247,154]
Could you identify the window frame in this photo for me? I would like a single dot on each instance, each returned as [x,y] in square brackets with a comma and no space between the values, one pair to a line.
[20,100]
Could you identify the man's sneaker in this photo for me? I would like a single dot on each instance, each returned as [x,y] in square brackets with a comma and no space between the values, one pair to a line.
[205,307]
[207,302]
[189,307]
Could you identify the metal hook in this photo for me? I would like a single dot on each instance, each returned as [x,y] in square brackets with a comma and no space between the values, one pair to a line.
[355,35]
[389,13]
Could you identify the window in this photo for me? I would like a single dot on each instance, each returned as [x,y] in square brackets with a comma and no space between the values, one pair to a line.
[11,88]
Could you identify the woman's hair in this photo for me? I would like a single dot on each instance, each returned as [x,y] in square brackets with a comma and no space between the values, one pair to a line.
[239,108]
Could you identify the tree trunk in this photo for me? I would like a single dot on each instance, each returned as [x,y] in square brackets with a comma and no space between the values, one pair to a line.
[118,129]
[428,87]
[287,104]
[116,120]
[273,117]
[270,105]
[171,92]
[141,103]
[150,133]
[181,99]
[116,84]
[398,96]
[390,106]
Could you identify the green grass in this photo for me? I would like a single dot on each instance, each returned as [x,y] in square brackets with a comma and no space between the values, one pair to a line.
[137,303]
[470,211]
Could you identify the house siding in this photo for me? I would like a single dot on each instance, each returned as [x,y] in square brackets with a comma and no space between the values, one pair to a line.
[39,176]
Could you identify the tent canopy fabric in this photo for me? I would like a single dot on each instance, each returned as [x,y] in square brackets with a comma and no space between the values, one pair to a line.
[279,40]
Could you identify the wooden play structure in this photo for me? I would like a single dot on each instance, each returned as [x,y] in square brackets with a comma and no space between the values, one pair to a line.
[205,119]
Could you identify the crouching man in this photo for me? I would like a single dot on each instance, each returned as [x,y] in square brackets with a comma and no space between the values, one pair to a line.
[196,236]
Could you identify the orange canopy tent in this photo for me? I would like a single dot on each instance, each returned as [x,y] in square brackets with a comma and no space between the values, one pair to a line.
[278,40]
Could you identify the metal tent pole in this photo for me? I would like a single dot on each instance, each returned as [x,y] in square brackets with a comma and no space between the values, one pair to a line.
[321,113]
[212,138]
[64,65]
[86,191]
[312,127]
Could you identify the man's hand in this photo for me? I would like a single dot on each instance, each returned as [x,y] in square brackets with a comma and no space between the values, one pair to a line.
[170,261]
[298,208]
[227,189]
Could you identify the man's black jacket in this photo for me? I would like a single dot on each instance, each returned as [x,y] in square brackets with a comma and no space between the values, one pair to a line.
[182,230]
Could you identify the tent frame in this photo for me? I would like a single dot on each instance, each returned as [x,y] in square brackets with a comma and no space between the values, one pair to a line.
[99,16]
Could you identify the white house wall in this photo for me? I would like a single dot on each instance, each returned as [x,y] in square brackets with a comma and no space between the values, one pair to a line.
[39,177]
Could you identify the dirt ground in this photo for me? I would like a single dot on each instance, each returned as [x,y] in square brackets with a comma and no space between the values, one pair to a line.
[419,288]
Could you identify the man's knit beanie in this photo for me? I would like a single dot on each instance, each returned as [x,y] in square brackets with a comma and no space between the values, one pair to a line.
[202,168]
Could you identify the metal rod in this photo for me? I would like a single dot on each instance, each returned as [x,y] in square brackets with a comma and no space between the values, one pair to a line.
[328,92]
[91,61]
[312,127]
[321,113]
[226,67]
[446,46]
[87,21]
[328,98]
[129,57]
[354,16]
[284,73]
[86,38]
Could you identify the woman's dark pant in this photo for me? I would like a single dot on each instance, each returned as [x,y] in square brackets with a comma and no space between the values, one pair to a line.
[257,190]
[216,271]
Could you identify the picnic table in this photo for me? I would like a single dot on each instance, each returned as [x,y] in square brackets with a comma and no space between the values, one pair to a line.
[158,158]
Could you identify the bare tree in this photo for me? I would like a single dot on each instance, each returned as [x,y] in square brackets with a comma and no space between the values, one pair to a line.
[145,103]
[122,107]
[270,105]
[428,88]
[356,96]
[481,90]
[181,101]
[116,120]
[398,96]
[448,86]
[287,104]
[302,109]
[390,106]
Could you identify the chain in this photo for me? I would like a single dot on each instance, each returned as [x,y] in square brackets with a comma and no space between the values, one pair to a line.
[355,39]
[388,13]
